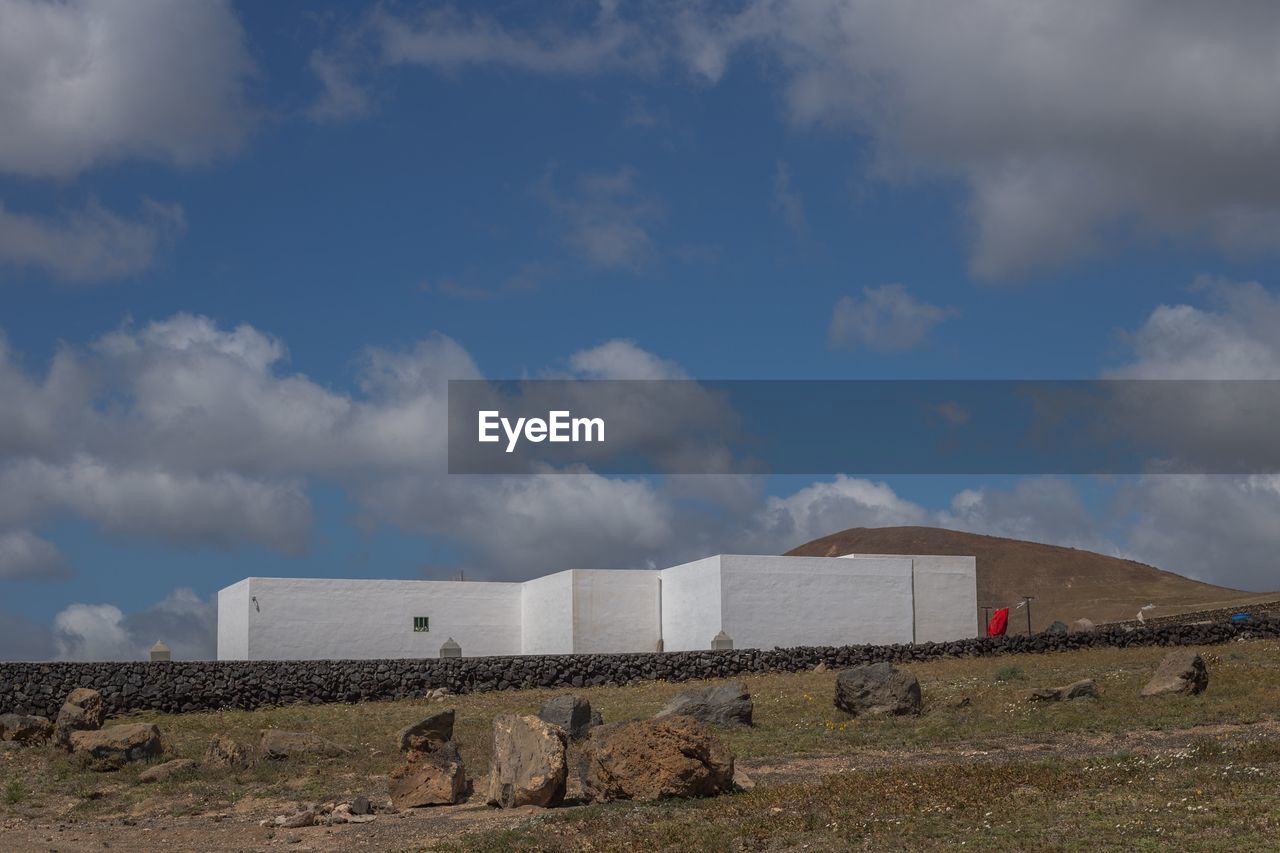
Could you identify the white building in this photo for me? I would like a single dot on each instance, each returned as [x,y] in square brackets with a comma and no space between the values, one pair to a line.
[758,601]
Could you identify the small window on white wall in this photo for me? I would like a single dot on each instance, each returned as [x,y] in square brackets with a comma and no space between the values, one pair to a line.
[421,624]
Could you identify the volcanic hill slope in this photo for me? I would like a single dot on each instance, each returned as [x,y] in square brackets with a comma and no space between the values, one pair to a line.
[1066,583]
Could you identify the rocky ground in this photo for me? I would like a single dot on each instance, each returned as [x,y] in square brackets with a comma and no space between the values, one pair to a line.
[979,764]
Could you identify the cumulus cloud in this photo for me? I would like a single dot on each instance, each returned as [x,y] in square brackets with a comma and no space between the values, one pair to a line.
[83,83]
[91,244]
[183,621]
[1069,126]
[886,318]
[1043,509]
[24,556]
[606,218]
[622,359]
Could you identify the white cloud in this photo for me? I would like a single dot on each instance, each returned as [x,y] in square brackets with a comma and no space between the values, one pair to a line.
[92,244]
[342,97]
[83,83]
[1070,126]
[886,318]
[828,507]
[622,359]
[1063,122]
[1044,509]
[606,218]
[182,621]
[24,556]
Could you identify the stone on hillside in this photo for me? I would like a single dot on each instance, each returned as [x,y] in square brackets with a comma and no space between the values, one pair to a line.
[1086,688]
[276,745]
[425,735]
[168,770]
[434,778]
[653,759]
[1057,629]
[571,713]
[83,710]
[529,765]
[1182,671]
[25,729]
[727,704]
[114,746]
[1083,626]
[878,688]
[223,751]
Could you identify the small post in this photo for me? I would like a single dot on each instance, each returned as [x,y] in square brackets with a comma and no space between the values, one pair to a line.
[721,642]
[160,652]
[1026,600]
[986,620]
[450,649]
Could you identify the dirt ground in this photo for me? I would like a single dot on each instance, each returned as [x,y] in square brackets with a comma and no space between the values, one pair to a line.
[153,828]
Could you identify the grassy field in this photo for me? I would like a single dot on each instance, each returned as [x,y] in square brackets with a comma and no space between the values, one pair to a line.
[980,766]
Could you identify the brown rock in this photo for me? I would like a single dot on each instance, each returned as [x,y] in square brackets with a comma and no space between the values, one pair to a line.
[424,736]
[435,778]
[223,751]
[168,770]
[1086,688]
[529,764]
[878,688]
[652,759]
[114,746]
[277,745]
[25,729]
[1182,671]
[83,710]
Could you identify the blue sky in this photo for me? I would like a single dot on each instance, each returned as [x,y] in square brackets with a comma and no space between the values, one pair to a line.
[242,246]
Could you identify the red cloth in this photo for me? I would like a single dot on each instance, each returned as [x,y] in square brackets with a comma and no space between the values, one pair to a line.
[999,623]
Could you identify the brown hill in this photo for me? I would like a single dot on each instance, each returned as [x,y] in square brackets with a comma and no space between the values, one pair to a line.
[1066,583]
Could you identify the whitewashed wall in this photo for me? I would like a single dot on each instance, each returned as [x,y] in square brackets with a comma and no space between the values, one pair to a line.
[615,610]
[810,601]
[233,621]
[547,615]
[946,596]
[760,601]
[691,605]
[302,619]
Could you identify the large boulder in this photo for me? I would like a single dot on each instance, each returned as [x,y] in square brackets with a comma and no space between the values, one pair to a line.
[83,710]
[429,778]
[114,746]
[529,764]
[1182,671]
[653,759]
[425,735]
[223,751]
[277,745]
[1083,626]
[727,704]
[1057,629]
[1084,689]
[878,688]
[25,729]
[571,713]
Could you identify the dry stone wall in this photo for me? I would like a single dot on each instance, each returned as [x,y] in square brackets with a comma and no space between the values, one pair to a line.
[39,688]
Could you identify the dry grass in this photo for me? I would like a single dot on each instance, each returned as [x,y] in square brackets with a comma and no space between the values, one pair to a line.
[921,803]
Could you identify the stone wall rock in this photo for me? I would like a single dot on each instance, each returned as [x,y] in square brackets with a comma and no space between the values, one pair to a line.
[183,686]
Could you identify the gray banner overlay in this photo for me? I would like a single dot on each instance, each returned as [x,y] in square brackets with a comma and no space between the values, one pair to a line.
[874,427]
